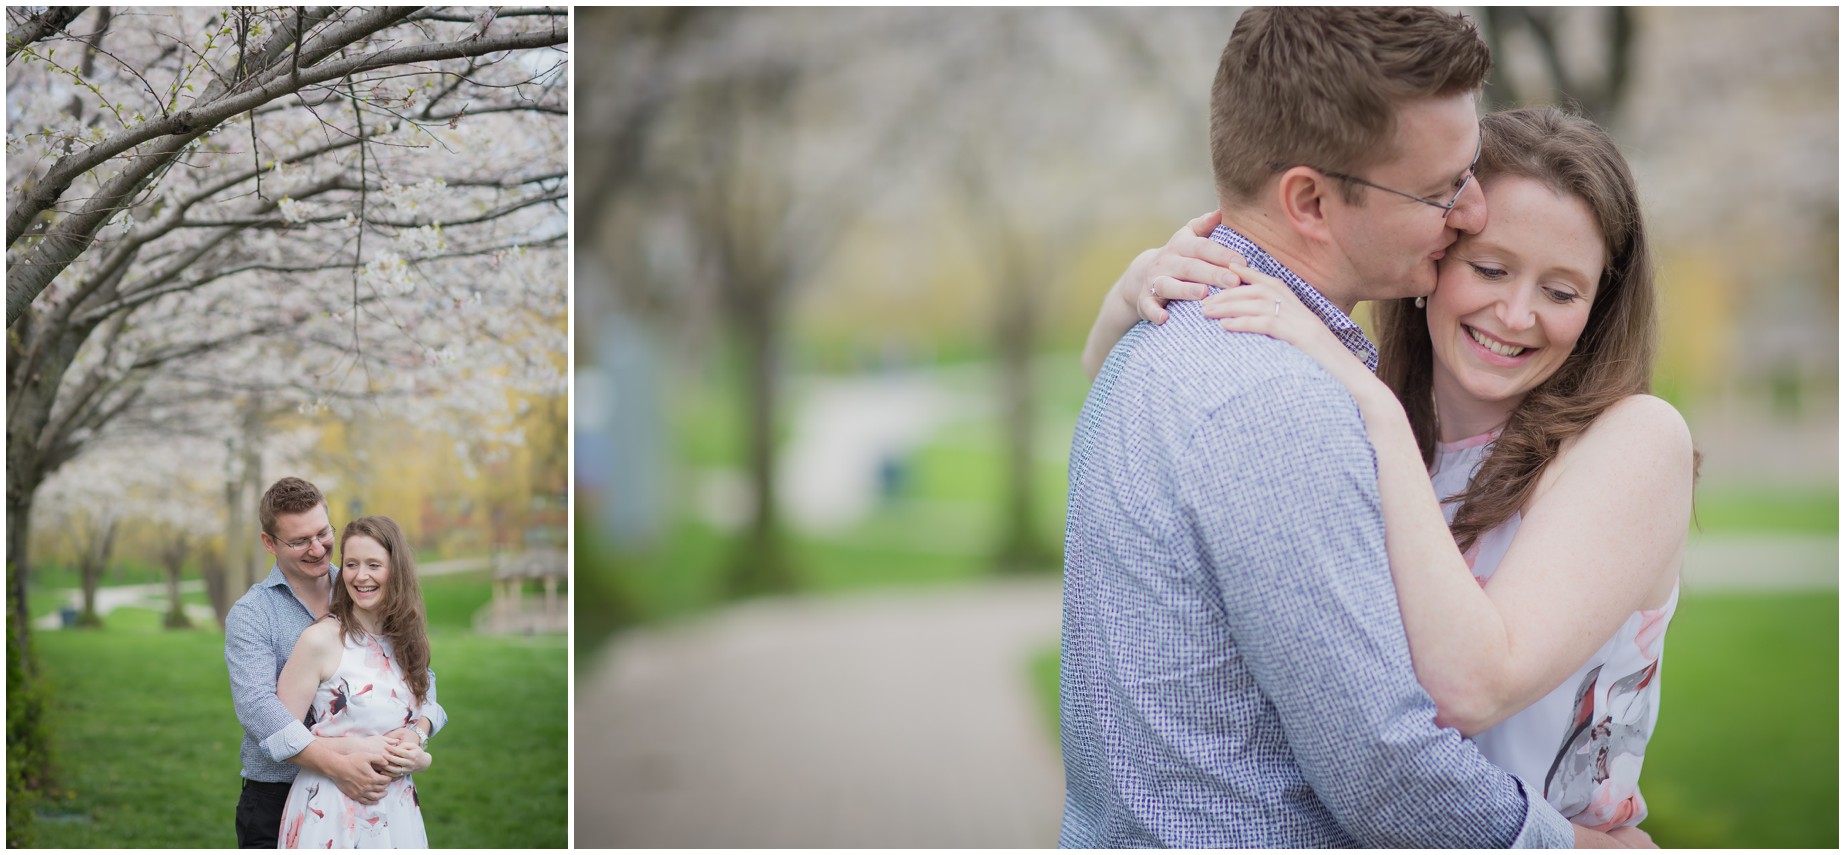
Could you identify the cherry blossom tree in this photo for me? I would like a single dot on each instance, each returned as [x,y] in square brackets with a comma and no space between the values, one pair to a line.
[722,141]
[84,509]
[160,493]
[219,216]
[745,146]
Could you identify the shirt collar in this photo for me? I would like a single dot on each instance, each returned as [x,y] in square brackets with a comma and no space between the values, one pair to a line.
[1342,325]
[275,579]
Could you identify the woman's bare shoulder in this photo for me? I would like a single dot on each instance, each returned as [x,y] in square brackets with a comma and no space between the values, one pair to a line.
[1645,423]
[1640,441]
[321,636]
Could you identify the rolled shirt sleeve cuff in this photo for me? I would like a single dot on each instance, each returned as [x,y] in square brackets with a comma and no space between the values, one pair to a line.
[438,719]
[287,742]
[1544,827]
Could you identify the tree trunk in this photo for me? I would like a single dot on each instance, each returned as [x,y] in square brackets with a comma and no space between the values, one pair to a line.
[1019,547]
[217,582]
[35,369]
[230,569]
[762,565]
[18,518]
[90,566]
[244,547]
[173,557]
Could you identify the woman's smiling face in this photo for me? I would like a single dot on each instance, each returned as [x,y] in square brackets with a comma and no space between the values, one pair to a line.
[365,570]
[1511,301]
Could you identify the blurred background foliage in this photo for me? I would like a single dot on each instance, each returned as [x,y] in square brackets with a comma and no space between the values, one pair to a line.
[834,269]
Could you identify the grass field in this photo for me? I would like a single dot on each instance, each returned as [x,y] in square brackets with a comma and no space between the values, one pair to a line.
[1747,750]
[147,744]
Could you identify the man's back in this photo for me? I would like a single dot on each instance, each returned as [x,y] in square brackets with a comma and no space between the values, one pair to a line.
[1234,668]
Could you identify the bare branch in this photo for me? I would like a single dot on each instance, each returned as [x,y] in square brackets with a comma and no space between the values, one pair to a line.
[145,293]
[554,195]
[502,12]
[40,26]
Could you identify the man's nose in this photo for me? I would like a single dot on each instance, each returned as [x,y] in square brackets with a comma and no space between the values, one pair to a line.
[1469,214]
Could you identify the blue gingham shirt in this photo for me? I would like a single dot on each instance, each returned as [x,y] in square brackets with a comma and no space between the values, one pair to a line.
[260,632]
[1343,327]
[1234,669]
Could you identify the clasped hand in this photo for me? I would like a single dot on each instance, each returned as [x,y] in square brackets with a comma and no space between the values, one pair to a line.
[1251,301]
[402,754]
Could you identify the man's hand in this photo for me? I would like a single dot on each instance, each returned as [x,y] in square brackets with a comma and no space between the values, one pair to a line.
[354,775]
[405,758]
[405,754]
[1626,837]
[1633,838]
[371,746]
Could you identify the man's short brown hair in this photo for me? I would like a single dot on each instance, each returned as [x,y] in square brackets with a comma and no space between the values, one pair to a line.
[1321,87]
[290,495]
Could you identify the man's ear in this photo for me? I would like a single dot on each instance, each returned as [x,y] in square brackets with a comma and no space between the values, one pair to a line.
[1303,194]
[268,542]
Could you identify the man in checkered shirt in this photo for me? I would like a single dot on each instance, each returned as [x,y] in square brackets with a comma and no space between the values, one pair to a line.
[1235,671]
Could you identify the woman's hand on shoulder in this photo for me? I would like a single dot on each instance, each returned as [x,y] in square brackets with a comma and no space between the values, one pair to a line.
[1267,306]
[1183,269]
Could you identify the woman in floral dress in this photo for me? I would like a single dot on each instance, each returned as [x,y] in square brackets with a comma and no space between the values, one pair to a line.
[364,669]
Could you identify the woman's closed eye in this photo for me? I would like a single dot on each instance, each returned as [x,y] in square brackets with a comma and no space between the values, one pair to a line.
[1487,271]
[1561,295]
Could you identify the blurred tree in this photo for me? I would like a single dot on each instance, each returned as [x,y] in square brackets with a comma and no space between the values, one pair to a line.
[1015,147]
[173,553]
[737,150]
[175,493]
[217,587]
[1586,65]
[217,215]
[86,506]
[719,135]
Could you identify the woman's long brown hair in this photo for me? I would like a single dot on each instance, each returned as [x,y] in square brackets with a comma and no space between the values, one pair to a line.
[401,618]
[1612,359]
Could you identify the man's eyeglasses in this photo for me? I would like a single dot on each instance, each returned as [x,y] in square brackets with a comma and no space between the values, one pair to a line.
[300,544]
[1446,207]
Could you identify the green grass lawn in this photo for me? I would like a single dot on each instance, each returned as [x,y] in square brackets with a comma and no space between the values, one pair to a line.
[1747,750]
[147,744]
[1742,509]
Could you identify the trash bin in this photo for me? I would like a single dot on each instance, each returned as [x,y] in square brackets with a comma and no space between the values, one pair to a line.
[67,616]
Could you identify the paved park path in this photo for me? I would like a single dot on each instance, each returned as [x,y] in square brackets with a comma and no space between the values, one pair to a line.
[892,720]
[888,720]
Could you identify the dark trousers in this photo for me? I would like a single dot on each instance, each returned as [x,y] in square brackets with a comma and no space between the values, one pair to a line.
[259,814]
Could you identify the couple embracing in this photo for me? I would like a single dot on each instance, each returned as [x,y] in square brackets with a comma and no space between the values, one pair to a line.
[1324,592]
[330,679]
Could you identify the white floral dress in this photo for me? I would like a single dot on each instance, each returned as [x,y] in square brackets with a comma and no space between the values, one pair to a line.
[366,696]
[1582,744]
